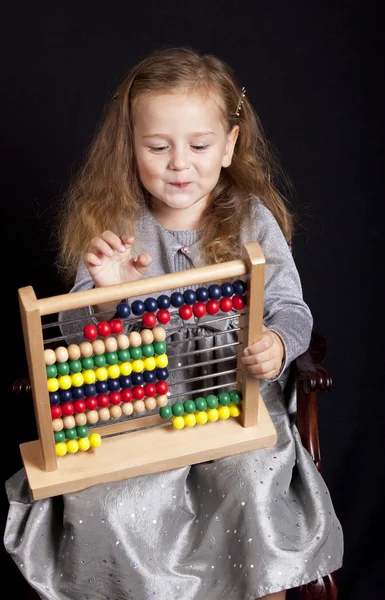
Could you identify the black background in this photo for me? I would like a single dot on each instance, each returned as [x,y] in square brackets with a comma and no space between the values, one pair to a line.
[314,72]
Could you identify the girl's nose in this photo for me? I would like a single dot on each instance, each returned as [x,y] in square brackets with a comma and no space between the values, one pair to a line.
[179,160]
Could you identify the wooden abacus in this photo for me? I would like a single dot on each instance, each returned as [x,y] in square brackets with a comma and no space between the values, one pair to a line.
[146,444]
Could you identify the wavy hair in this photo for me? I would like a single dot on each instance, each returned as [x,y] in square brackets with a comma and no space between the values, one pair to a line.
[107,193]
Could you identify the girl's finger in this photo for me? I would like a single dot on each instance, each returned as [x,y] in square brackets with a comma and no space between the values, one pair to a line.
[262,369]
[92,260]
[143,262]
[113,241]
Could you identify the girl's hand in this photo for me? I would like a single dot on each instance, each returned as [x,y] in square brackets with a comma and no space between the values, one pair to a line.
[109,260]
[264,358]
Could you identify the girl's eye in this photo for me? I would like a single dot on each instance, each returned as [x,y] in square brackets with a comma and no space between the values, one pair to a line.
[158,148]
[199,148]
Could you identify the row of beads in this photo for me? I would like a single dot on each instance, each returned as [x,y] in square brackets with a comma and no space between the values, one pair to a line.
[72,446]
[98,347]
[199,404]
[177,299]
[209,415]
[125,385]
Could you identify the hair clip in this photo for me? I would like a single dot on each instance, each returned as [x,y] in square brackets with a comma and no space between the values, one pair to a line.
[238,111]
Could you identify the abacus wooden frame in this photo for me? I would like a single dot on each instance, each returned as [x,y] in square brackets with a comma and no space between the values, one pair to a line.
[154,449]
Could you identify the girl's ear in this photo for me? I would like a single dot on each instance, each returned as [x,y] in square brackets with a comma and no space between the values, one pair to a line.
[230,145]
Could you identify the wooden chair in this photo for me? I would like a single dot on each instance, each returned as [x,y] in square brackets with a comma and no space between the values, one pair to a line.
[311,378]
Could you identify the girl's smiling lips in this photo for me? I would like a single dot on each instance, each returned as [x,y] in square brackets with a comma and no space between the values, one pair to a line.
[181,184]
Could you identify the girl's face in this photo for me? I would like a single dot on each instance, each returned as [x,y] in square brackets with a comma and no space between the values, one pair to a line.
[180,146]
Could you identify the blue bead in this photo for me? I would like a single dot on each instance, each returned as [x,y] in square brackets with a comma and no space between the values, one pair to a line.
[202,294]
[123,309]
[190,297]
[54,398]
[239,287]
[113,385]
[137,378]
[215,291]
[138,307]
[149,376]
[77,393]
[101,387]
[227,289]
[125,381]
[164,302]
[177,299]
[89,390]
[65,395]
[151,305]
[161,374]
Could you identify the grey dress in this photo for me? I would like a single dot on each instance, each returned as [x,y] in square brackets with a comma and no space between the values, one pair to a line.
[240,527]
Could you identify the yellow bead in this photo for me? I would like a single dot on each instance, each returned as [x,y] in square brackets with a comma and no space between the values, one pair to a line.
[178,422]
[161,361]
[190,420]
[53,384]
[101,373]
[61,449]
[234,410]
[113,371]
[212,415]
[223,412]
[137,366]
[201,417]
[77,379]
[65,382]
[72,446]
[125,368]
[95,440]
[89,376]
[149,363]
[84,444]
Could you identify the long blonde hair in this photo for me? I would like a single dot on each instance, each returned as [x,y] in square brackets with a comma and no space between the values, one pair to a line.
[107,193]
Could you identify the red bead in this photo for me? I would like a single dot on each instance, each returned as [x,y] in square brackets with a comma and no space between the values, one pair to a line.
[150,389]
[185,312]
[225,304]
[115,397]
[90,332]
[56,412]
[104,329]
[212,307]
[116,326]
[103,400]
[149,319]
[162,387]
[79,406]
[67,409]
[91,403]
[163,316]
[138,392]
[126,395]
[199,309]
[238,302]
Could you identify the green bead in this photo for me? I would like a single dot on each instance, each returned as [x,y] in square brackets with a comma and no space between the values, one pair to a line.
[165,412]
[200,403]
[75,366]
[99,360]
[235,396]
[224,398]
[160,347]
[148,350]
[178,409]
[212,401]
[88,363]
[59,436]
[51,371]
[136,353]
[124,355]
[82,431]
[189,407]
[64,368]
[70,434]
[111,358]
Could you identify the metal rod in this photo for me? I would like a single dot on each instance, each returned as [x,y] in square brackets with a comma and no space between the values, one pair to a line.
[202,364]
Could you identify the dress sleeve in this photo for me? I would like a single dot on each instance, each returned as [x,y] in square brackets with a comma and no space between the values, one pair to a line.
[285,311]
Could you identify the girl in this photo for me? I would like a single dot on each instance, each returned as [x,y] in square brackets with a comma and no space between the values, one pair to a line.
[180,175]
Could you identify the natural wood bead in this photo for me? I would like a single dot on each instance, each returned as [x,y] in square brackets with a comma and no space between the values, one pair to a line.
[69,422]
[115,411]
[135,339]
[159,333]
[73,352]
[49,357]
[123,341]
[98,347]
[111,344]
[86,349]
[150,403]
[138,406]
[57,424]
[61,354]
[127,409]
[147,336]
[80,419]
[104,414]
[92,417]
[162,400]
